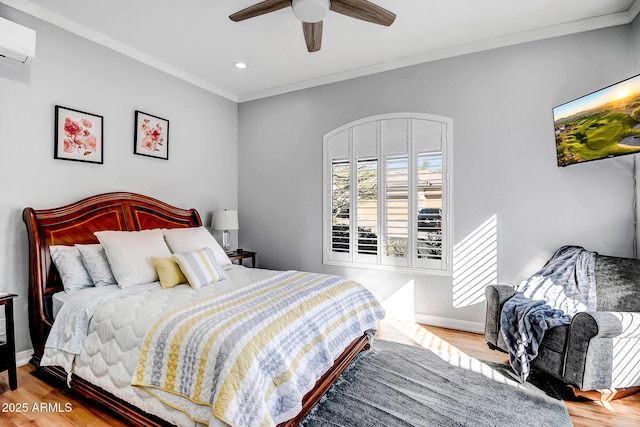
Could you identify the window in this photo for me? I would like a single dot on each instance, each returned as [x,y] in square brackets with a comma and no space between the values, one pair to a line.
[387,193]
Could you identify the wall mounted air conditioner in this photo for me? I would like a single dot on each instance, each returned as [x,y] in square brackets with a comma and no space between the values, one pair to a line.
[16,41]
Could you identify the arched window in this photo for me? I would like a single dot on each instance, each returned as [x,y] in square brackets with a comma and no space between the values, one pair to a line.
[387,193]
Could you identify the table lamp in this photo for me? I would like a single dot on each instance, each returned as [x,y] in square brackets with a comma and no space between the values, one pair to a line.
[225,220]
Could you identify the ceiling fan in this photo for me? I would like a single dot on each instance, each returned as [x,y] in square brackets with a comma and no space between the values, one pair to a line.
[312,12]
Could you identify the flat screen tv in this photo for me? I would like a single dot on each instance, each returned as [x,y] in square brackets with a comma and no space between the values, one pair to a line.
[605,123]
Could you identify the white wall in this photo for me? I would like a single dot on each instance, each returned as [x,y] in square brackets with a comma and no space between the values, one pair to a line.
[504,163]
[201,171]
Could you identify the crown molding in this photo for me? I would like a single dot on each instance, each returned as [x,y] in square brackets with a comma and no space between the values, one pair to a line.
[574,27]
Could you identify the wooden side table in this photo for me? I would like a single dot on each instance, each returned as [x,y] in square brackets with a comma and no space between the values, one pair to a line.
[8,349]
[235,256]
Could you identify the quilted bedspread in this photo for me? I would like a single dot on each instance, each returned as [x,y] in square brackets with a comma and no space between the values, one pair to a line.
[251,354]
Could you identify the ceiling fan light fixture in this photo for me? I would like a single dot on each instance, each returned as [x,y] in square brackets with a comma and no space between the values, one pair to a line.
[310,11]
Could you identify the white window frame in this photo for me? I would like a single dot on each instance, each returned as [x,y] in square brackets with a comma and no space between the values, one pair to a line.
[350,259]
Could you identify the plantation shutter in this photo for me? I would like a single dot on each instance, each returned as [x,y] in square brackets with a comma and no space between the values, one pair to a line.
[365,138]
[386,193]
[395,145]
[339,216]
[431,227]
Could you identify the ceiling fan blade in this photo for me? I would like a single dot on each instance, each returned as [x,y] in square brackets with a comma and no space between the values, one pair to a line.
[312,35]
[364,10]
[260,9]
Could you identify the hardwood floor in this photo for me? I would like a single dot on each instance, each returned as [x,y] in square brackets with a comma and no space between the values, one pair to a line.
[37,403]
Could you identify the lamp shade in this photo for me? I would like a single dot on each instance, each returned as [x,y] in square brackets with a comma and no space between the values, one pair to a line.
[225,220]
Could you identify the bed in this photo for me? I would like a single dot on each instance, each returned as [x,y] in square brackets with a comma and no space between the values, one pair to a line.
[99,374]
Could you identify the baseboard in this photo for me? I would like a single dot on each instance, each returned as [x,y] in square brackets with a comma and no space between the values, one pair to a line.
[446,322]
[23,357]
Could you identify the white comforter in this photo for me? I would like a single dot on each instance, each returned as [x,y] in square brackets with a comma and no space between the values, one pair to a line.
[116,327]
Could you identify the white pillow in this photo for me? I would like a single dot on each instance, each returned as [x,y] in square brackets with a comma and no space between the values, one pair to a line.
[129,254]
[72,271]
[181,240]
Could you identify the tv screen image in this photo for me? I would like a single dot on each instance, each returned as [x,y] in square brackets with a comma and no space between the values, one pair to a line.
[605,123]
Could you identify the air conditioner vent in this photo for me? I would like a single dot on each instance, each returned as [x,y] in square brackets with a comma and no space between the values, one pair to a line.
[17,42]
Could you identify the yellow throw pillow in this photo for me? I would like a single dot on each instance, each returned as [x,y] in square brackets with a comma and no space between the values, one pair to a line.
[168,271]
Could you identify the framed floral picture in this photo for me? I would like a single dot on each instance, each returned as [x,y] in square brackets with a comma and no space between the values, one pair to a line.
[78,136]
[151,136]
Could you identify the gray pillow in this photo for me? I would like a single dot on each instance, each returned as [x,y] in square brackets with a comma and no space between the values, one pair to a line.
[96,262]
[72,271]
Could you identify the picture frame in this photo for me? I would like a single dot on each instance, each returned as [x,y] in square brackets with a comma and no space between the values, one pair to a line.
[151,136]
[79,136]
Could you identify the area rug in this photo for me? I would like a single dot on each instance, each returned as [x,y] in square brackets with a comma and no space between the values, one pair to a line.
[398,385]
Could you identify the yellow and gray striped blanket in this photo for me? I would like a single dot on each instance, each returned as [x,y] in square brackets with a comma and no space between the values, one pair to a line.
[248,356]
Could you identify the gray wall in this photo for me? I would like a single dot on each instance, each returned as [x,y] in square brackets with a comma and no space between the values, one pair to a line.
[70,71]
[504,165]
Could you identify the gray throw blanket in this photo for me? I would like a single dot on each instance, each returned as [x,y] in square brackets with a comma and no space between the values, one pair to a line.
[562,288]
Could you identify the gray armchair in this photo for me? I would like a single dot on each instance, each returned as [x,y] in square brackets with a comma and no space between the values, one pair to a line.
[598,350]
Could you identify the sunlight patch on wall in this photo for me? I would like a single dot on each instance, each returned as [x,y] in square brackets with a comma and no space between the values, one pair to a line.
[475,264]
[401,303]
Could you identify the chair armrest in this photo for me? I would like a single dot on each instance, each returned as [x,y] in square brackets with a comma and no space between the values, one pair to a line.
[590,347]
[499,293]
[606,324]
[496,296]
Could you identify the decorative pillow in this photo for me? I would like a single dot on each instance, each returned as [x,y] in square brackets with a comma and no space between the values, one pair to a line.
[181,240]
[200,267]
[169,272]
[95,260]
[73,273]
[129,254]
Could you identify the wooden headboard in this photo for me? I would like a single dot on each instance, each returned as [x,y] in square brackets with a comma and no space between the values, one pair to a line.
[76,223]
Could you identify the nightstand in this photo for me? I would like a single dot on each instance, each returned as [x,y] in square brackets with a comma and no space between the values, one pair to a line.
[237,258]
[8,348]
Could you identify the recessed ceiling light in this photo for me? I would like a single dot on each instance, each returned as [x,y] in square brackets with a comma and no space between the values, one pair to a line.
[241,65]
